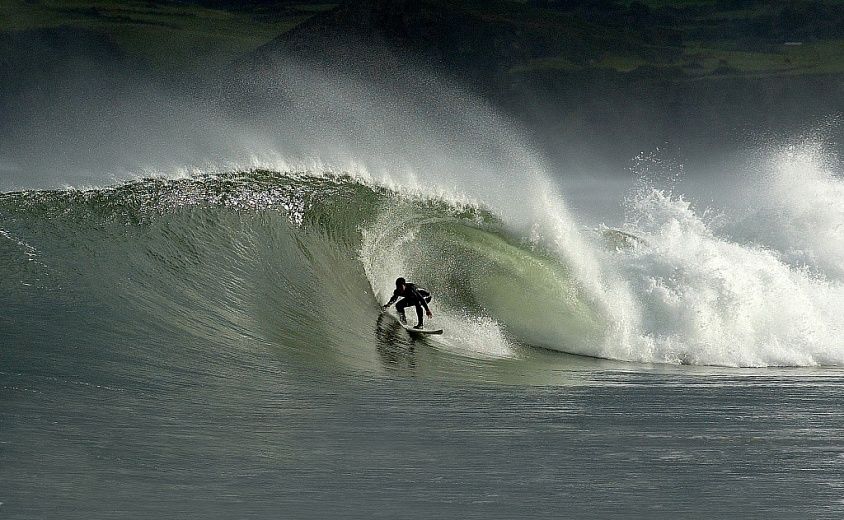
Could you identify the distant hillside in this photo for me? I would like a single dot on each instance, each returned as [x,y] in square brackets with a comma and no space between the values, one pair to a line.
[676,39]
[605,78]
[169,37]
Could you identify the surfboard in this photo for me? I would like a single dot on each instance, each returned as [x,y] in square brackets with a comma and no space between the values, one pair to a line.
[421,331]
[409,328]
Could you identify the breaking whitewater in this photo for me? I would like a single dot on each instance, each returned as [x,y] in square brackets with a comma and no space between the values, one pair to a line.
[299,261]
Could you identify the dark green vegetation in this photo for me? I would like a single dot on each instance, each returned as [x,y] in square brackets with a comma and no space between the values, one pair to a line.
[685,39]
[681,39]
[695,39]
[174,36]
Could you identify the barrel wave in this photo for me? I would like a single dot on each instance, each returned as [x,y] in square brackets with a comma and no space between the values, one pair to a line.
[219,266]
[226,267]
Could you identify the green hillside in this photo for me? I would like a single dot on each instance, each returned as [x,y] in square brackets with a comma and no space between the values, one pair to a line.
[674,39]
[170,36]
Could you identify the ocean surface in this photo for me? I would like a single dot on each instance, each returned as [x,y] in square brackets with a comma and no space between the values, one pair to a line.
[212,347]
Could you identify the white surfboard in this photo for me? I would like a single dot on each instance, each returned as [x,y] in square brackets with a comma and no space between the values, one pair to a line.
[411,329]
[421,331]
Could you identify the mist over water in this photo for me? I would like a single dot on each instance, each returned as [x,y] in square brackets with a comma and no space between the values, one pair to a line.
[755,282]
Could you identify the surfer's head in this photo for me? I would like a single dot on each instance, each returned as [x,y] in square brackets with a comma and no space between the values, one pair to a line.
[400,283]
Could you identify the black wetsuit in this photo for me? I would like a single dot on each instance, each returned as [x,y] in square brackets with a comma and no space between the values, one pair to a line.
[411,295]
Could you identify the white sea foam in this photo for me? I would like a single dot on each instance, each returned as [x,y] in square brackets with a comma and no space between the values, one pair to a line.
[772,297]
[796,207]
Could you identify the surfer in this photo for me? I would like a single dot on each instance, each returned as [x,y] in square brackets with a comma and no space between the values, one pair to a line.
[410,295]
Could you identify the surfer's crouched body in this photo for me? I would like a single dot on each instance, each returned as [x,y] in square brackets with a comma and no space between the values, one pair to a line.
[410,295]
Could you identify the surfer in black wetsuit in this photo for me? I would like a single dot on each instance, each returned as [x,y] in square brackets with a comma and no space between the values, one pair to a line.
[410,295]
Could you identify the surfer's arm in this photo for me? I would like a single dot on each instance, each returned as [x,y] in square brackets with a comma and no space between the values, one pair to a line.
[392,300]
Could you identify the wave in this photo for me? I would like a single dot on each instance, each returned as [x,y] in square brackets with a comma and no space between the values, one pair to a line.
[300,262]
[290,261]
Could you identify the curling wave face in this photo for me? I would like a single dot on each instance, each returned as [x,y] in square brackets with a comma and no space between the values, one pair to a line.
[225,266]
